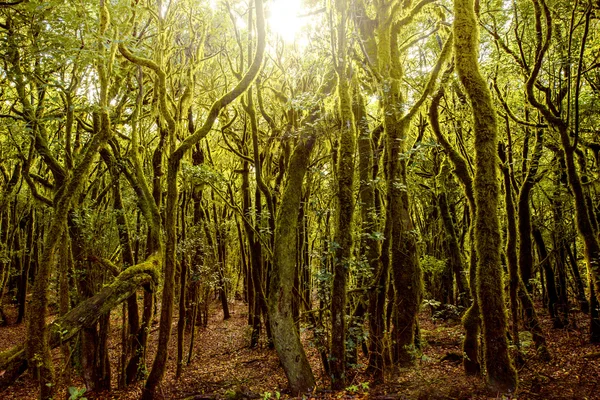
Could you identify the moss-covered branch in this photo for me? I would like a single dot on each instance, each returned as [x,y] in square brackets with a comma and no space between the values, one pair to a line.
[162,82]
[444,56]
[13,362]
[407,19]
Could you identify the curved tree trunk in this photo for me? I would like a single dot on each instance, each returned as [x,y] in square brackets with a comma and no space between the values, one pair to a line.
[286,337]
[471,320]
[501,374]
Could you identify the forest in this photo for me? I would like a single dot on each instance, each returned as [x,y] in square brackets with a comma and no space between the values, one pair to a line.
[239,199]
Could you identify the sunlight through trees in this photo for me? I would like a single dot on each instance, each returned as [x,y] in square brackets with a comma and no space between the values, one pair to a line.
[346,177]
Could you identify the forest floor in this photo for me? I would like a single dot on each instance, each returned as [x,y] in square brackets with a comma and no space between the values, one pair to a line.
[223,367]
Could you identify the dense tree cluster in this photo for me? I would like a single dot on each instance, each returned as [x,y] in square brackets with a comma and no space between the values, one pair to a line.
[157,155]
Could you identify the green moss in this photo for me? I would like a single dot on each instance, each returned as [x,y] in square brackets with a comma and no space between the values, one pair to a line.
[151,267]
[501,374]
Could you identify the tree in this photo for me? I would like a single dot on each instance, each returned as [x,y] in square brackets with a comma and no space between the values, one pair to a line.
[158,367]
[285,335]
[501,374]
[345,200]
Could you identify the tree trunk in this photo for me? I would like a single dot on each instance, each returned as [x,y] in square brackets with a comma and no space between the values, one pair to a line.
[221,238]
[501,374]
[454,257]
[511,251]
[594,317]
[377,310]
[182,292]
[286,337]
[28,260]
[549,274]
[344,204]
[86,314]
[584,304]
[370,243]
[471,320]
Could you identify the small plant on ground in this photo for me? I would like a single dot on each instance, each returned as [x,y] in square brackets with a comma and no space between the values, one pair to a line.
[76,393]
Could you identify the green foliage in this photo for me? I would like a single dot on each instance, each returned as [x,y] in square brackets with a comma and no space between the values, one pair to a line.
[268,395]
[202,174]
[362,388]
[430,264]
[433,269]
[448,312]
[431,303]
[77,393]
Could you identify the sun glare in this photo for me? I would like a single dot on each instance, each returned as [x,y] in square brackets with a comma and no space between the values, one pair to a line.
[284,20]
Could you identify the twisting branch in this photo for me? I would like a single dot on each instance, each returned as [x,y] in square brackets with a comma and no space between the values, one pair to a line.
[542,45]
[446,51]
[407,19]
[10,3]
[510,113]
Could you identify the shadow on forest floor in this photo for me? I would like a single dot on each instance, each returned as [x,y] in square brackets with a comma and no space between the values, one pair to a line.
[223,367]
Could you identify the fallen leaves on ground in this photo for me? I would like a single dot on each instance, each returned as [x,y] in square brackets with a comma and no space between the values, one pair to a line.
[224,367]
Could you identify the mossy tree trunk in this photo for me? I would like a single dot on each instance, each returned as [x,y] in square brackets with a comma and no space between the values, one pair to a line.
[377,310]
[86,314]
[286,336]
[255,262]
[548,271]
[455,262]
[404,260]
[174,161]
[583,213]
[221,249]
[344,202]
[511,249]
[584,304]
[501,374]
[5,206]
[525,247]
[471,320]
[259,274]
[524,212]
[29,259]
[183,292]
[370,243]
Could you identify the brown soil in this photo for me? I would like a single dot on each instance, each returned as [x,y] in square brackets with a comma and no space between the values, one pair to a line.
[223,367]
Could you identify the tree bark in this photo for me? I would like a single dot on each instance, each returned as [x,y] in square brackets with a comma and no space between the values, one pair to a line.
[86,314]
[286,336]
[501,374]
[471,320]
